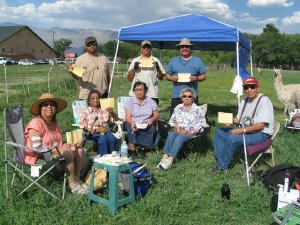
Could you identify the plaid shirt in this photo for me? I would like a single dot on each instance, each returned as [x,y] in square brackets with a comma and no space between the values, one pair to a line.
[87,117]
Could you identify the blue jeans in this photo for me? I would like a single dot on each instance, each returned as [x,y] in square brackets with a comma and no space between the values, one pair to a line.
[105,144]
[175,142]
[225,144]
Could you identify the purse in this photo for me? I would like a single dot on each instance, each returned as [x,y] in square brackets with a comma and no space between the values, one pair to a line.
[99,178]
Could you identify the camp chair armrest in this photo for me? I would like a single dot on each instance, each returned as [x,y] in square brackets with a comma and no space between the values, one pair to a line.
[203,129]
[22,146]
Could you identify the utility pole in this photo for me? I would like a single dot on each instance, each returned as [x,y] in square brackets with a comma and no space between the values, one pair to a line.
[53,32]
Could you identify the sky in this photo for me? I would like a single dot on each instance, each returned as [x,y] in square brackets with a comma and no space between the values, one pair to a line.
[249,16]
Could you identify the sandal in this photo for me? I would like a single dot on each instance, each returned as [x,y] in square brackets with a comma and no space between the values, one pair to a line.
[80,189]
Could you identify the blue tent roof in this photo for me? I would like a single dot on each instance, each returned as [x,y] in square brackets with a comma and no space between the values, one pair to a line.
[205,33]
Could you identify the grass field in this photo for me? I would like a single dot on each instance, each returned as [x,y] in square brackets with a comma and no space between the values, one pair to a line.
[181,195]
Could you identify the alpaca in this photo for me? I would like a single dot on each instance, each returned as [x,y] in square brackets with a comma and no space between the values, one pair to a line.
[294,102]
[285,92]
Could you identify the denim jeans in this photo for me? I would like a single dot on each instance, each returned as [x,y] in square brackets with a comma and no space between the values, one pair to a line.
[175,142]
[225,144]
[105,144]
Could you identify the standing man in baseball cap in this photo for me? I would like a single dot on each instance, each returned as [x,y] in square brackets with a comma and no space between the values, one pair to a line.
[227,140]
[148,69]
[97,71]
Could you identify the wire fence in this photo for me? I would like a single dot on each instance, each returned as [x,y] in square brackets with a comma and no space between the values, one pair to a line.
[23,80]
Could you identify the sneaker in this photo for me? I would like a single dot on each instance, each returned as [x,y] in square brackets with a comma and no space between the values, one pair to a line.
[216,171]
[165,164]
[159,164]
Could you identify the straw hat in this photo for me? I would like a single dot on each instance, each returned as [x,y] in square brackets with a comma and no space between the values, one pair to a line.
[35,107]
[185,41]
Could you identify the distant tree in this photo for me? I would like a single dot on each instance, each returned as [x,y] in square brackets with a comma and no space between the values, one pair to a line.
[61,46]
[109,48]
[128,50]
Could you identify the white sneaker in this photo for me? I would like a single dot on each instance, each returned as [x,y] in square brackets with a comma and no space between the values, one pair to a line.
[165,164]
[159,165]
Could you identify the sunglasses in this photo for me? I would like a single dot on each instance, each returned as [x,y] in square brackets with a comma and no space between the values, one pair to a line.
[146,46]
[91,44]
[185,46]
[187,96]
[46,104]
[251,86]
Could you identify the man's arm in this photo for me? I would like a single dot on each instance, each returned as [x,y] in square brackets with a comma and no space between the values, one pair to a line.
[131,74]
[250,129]
[169,77]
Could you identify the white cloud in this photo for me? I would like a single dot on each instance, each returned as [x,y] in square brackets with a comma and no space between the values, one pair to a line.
[110,14]
[256,21]
[269,3]
[244,14]
[253,31]
[295,19]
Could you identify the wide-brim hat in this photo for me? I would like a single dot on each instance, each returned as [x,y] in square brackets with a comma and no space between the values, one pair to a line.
[60,104]
[185,41]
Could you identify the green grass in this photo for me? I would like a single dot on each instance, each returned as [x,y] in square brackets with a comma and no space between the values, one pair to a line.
[181,195]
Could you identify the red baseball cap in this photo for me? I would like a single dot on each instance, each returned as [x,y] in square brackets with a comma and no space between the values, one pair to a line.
[250,80]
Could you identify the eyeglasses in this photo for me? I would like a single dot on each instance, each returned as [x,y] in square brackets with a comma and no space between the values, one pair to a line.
[146,46]
[251,86]
[139,89]
[185,46]
[46,104]
[187,96]
[91,44]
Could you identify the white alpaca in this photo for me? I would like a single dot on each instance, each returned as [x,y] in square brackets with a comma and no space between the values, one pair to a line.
[286,93]
[294,102]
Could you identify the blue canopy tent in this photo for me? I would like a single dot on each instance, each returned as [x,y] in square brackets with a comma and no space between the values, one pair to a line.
[204,33]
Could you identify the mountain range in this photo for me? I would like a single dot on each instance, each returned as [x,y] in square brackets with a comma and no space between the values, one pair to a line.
[77,36]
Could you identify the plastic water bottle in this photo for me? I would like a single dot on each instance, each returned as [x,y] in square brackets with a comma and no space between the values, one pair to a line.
[124,151]
[47,155]
[225,191]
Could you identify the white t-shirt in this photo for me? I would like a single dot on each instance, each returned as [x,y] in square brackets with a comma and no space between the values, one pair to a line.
[263,114]
[148,76]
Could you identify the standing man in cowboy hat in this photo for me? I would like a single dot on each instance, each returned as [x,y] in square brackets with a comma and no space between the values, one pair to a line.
[149,74]
[185,71]
[97,71]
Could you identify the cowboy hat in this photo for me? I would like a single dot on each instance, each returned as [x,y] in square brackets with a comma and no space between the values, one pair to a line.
[35,107]
[185,41]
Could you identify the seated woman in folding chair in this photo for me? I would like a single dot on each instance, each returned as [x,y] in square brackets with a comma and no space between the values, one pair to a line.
[95,120]
[186,121]
[44,129]
[140,115]
[255,106]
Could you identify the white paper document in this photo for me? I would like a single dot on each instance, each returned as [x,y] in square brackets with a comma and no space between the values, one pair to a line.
[184,77]
[107,103]
[225,117]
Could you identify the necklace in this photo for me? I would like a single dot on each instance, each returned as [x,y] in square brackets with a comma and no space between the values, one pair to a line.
[95,62]
[187,61]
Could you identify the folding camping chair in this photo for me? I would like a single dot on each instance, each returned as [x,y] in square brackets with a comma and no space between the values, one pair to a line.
[261,149]
[14,157]
[291,123]
[199,141]
[77,107]
[288,215]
